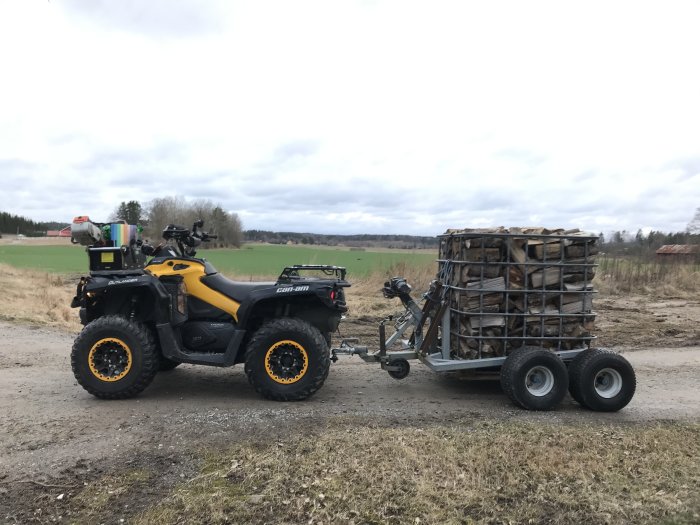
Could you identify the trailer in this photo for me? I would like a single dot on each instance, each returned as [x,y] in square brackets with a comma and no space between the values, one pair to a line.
[518,302]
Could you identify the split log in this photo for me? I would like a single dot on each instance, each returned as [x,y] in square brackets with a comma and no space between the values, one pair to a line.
[522,286]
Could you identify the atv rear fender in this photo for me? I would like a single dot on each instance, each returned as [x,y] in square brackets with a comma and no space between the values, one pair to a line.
[315,307]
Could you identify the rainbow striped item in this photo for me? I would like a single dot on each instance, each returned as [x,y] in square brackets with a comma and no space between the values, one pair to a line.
[123,234]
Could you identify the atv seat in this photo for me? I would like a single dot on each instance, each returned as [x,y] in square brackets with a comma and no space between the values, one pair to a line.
[238,291]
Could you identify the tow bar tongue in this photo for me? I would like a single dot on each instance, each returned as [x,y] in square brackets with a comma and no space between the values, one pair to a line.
[346,348]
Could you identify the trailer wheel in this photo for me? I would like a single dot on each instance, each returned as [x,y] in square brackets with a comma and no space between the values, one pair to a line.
[602,380]
[403,368]
[287,359]
[534,378]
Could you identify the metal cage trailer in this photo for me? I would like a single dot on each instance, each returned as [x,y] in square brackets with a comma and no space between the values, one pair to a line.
[514,301]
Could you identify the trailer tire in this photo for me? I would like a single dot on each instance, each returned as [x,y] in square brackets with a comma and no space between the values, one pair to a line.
[287,359]
[403,371]
[534,378]
[602,380]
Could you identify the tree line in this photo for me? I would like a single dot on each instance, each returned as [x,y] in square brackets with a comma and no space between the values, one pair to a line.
[158,213]
[641,243]
[361,240]
[16,224]
[153,217]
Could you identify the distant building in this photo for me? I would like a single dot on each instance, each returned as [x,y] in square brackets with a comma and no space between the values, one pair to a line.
[679,253]
[65,232]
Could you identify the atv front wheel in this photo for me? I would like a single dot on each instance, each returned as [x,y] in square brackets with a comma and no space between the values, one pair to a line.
[287,360]
[114,358]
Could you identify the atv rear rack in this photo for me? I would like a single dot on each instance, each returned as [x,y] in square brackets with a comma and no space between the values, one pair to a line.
[291,273]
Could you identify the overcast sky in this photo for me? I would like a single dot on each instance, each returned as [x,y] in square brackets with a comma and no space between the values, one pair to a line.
[355,117]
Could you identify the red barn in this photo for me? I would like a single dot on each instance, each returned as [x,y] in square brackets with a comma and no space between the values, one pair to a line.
[65,232]
[679,252]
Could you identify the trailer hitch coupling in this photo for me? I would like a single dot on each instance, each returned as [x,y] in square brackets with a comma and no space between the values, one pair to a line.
[347,348]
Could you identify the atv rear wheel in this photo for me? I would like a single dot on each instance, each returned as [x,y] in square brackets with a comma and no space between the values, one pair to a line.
[287,360]
[114,358]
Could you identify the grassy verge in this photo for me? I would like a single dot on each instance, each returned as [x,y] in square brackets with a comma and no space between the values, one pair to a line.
[33,296]
[618,275]
[482,473]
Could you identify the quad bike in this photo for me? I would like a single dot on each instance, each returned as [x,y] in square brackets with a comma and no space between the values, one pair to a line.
[144,317]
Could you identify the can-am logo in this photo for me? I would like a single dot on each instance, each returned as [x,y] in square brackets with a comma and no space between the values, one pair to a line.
[123,281]
[293,289]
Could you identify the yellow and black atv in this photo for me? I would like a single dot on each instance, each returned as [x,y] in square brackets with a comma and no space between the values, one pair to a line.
[140,318]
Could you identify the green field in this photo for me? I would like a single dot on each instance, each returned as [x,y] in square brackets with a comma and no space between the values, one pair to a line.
[251,260]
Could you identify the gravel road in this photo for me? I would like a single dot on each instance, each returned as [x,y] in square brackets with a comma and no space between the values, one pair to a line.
[50,424]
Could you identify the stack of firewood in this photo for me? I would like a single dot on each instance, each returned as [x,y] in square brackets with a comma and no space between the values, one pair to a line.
[518,287]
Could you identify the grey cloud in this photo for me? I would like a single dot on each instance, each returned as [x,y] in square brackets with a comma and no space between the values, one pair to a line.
[689,166]
[585,208]
[127,160]
[14,165]
[267,196]
[283,158]
[332,194]
[585,176]
[14,173]
[157,18]
[44,199]
[295,149]
[521,155]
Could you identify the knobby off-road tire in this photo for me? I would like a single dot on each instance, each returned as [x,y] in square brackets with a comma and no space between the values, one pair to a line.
[287,359]
[114,358]
[534,378]
[602,380]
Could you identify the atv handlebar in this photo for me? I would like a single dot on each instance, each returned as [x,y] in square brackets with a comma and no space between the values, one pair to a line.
[187,241]
[203,236]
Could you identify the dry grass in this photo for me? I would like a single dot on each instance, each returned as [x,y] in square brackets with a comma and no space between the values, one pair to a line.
[365,297]
[44,298]
[37,297]
[626,275]
[34,241]
[483,473]
[98,497]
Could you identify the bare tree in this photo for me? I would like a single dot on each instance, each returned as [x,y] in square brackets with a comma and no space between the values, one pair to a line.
[176,210]
[694,224]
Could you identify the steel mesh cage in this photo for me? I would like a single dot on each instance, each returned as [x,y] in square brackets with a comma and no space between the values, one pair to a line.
[516,287]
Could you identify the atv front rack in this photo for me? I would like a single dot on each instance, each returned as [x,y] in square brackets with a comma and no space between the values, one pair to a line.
[291,273]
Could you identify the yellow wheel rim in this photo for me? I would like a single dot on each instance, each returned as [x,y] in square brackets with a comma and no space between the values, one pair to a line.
[110,359]
[286,362]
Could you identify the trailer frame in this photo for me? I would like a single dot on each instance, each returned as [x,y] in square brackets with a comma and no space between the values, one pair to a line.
[432,341]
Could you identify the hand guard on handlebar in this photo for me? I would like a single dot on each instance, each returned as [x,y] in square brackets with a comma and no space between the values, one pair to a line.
[202,236]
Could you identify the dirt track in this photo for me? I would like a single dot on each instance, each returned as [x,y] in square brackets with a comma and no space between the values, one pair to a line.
[51,425]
